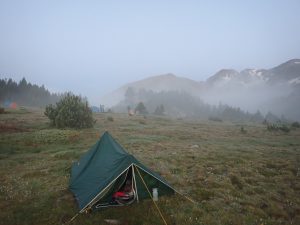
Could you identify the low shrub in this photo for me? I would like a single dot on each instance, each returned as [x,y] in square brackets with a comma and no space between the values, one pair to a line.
[110,118]
[236,181]
[278,127]
[142,122]
[243,130]
[215,119]
[295,125]
[71,111]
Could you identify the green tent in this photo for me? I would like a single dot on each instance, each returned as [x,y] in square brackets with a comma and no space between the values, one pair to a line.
[104,170]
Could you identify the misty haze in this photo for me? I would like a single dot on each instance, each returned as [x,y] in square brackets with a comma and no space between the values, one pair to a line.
[107,105]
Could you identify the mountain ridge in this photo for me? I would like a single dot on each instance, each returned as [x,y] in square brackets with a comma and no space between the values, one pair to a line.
[250,89]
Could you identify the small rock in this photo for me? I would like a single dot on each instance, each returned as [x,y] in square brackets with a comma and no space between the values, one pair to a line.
[195,146]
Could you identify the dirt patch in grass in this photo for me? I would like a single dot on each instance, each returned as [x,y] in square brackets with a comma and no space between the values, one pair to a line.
[11,128]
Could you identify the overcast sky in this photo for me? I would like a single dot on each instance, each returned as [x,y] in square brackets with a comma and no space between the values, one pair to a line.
[93,47]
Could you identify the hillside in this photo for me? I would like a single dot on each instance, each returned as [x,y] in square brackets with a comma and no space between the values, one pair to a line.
[249,89]
[164,82]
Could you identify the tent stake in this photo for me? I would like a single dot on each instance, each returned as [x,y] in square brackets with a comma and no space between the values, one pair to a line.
[73,218]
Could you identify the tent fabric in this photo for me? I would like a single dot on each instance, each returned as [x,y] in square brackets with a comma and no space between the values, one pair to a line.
[102,169]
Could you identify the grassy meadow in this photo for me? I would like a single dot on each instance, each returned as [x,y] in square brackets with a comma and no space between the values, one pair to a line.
[238,173]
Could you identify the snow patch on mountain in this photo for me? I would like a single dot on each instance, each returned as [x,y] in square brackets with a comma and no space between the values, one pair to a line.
[294,81]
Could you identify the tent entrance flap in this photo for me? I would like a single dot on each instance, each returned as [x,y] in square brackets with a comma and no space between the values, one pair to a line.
[122,192]
[105,191]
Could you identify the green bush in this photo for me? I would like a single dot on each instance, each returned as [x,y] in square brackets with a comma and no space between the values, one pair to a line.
[215,119]
[243,130]
[296,125]
[160,110]
[110,118]
[278,127]
[141,108]
[284,128]
[70,111]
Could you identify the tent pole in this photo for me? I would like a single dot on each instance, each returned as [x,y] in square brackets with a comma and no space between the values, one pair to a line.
[136,190]
[152,198]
